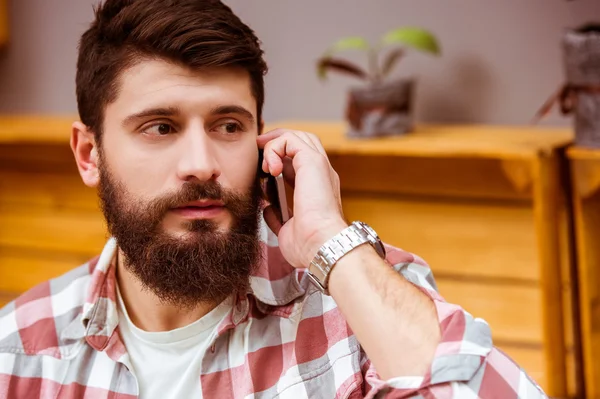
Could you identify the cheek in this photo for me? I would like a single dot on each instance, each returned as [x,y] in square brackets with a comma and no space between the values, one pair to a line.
[138,170]
[239,166]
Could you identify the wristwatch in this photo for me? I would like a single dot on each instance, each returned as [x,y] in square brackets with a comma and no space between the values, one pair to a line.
[358,233]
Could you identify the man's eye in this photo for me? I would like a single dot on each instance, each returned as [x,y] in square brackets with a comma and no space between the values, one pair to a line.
[229,128]
[160,129]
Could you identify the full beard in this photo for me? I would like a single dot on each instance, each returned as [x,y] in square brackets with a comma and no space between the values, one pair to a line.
[205,265]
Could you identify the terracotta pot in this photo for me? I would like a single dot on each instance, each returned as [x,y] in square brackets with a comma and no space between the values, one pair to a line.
[380,109]
[581,95]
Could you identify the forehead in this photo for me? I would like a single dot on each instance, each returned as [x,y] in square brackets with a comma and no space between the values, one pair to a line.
[159,83]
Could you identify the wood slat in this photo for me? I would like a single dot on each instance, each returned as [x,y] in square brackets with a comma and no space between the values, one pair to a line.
[513,312]
[587,217]
[62,230]
[21,270]
[38,129]
[531,360]
[439,177]
[6,297]
[470,141]
[38,158]
[47,190]
[471,239]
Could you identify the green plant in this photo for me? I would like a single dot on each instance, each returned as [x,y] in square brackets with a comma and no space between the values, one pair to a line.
[401,38]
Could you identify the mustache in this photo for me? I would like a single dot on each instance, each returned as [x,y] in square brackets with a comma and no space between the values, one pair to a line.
[210,190]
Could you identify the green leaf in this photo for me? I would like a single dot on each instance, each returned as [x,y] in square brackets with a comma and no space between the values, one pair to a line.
[416,38]
[349,43]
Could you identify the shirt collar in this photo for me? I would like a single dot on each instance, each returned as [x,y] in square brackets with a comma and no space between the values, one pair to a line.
[274,283]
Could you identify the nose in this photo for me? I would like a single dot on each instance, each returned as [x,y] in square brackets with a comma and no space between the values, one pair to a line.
[197,161]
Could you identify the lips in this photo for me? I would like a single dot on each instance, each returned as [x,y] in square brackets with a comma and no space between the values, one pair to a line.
[202,209]
[203,204]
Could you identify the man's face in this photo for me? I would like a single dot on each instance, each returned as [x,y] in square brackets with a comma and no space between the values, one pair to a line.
[170,126]
[178,179]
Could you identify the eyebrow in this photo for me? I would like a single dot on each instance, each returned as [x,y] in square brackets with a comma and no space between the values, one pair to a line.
[233,109]
[168,111]
[174,111]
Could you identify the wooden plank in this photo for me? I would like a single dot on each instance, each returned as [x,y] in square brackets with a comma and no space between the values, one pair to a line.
[62,230]
[470,141]
[46,189]
[530,359]
[513,312]
[37,158]
[432,140]
[457,238]
[587,223]
[21,270]
[548,194]
[440,177]
[39,129]
[6,297]
[574,152]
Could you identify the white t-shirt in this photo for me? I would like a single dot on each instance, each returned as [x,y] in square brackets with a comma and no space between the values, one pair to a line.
[167,364]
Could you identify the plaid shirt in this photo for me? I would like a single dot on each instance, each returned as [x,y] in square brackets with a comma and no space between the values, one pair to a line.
[281,339]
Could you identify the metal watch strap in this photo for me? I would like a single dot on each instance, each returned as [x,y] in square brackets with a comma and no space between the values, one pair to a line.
[333,250]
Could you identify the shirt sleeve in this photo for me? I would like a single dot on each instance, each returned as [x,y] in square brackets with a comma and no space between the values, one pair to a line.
[466,363]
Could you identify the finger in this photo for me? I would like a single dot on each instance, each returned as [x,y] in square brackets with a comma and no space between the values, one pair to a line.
[286,145]
[316,143]
[308,138]
[264,138]
[301,135]
[272,219]
[304,137]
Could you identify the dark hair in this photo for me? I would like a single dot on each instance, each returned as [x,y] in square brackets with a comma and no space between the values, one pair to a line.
[192,33]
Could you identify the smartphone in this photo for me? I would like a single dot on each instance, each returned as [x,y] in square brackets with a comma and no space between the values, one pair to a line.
[276,196]
[275,192]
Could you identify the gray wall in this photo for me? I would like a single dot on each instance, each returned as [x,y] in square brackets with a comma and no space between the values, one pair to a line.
[501,58]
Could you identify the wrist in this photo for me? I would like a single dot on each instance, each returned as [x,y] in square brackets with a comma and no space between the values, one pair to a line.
[342,242]
[320,236]
[353,267]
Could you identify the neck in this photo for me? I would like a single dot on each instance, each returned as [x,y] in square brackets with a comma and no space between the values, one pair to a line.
[145,309]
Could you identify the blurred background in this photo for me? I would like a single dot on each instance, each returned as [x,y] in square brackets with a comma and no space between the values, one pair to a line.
[500,59]
[506,212]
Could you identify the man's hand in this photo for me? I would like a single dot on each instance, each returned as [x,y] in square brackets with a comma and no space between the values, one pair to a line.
[317,214]
[367,290]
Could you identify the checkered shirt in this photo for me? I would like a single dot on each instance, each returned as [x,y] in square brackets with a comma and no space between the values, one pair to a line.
[282,338]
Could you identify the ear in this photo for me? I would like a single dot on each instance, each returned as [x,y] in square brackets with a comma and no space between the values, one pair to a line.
[85,150]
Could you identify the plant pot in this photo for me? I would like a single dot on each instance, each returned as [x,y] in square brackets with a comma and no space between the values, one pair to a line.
[383,109]
[581,95]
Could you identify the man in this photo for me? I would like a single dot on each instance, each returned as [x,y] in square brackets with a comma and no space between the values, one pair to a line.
[193,296]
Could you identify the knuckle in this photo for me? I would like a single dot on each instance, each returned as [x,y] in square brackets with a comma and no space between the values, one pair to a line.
[314,137]
[322,159]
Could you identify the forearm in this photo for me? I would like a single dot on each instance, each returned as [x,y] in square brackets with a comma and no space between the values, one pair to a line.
[394,321]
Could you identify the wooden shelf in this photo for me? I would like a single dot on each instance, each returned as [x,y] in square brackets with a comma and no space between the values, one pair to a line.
[36,129]
[583,153]
[460,141]
[427,140]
